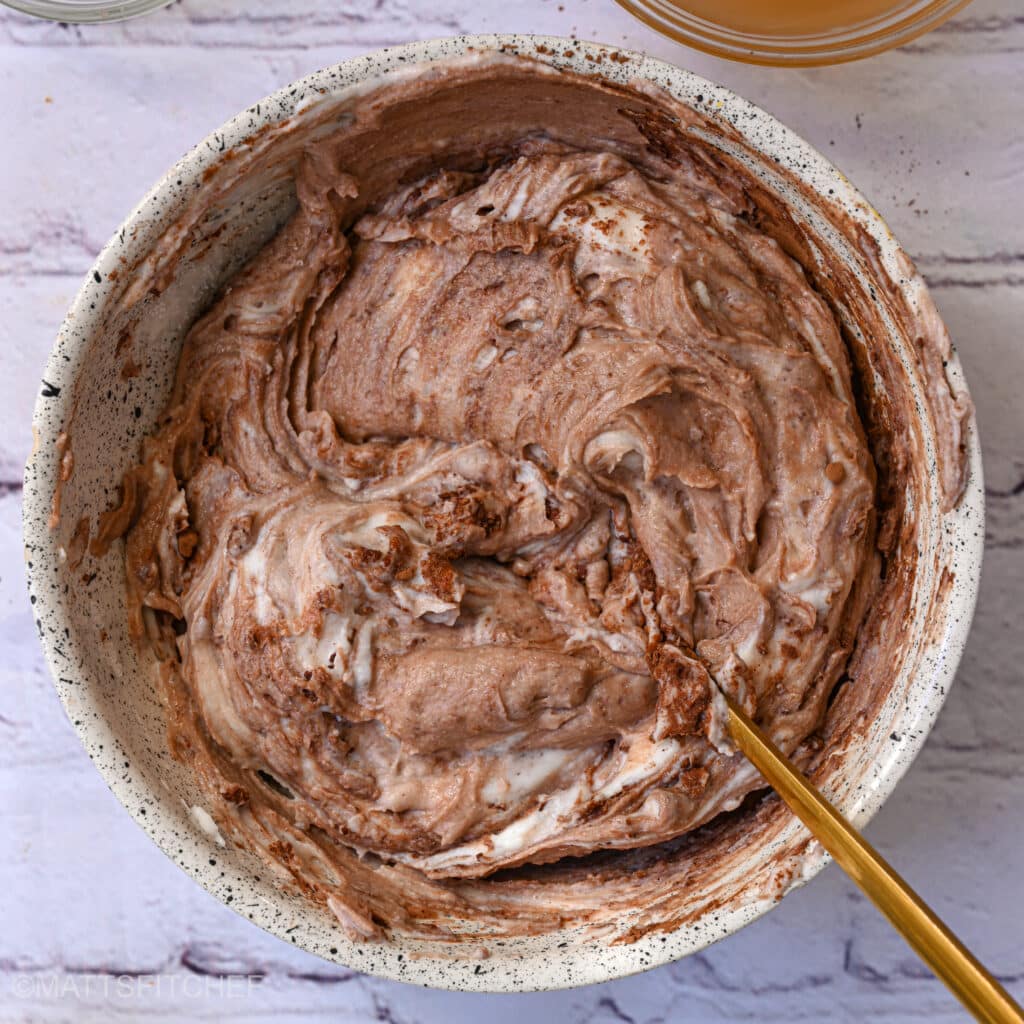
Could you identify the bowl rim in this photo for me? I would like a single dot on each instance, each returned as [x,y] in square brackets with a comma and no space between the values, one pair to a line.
[85,12]
[873,36]
[583,964]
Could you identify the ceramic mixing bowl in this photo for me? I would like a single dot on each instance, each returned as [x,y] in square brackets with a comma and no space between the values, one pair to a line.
[110,375]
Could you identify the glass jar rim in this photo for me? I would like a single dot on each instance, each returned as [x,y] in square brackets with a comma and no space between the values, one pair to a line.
[84,11]
[855,42]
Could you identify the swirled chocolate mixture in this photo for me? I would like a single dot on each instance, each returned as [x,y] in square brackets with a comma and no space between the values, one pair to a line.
[470,479]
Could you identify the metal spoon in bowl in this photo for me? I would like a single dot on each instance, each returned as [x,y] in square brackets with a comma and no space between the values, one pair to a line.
[940,949]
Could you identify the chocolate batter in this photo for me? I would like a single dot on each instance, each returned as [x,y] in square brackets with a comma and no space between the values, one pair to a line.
[470,479]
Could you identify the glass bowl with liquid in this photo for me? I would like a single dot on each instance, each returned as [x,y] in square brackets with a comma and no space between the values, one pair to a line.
[793,32]
[84,11]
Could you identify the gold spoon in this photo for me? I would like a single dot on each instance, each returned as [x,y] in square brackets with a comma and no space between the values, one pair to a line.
[937,946]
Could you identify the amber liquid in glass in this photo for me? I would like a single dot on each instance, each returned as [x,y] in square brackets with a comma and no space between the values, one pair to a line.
[789,17]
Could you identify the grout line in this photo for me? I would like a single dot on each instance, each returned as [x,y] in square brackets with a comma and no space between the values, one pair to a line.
[360,44]
[999,256]
[968,25]
[1006,281]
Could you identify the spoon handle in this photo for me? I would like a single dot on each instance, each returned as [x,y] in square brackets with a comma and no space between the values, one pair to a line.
[940,949]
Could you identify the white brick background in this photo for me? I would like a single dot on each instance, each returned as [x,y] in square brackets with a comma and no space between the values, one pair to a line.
[98,926]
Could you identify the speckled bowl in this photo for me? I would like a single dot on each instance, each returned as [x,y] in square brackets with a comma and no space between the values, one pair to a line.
[108,385]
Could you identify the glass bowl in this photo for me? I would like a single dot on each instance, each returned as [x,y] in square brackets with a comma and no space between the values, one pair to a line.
[904,22]
[85,10]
